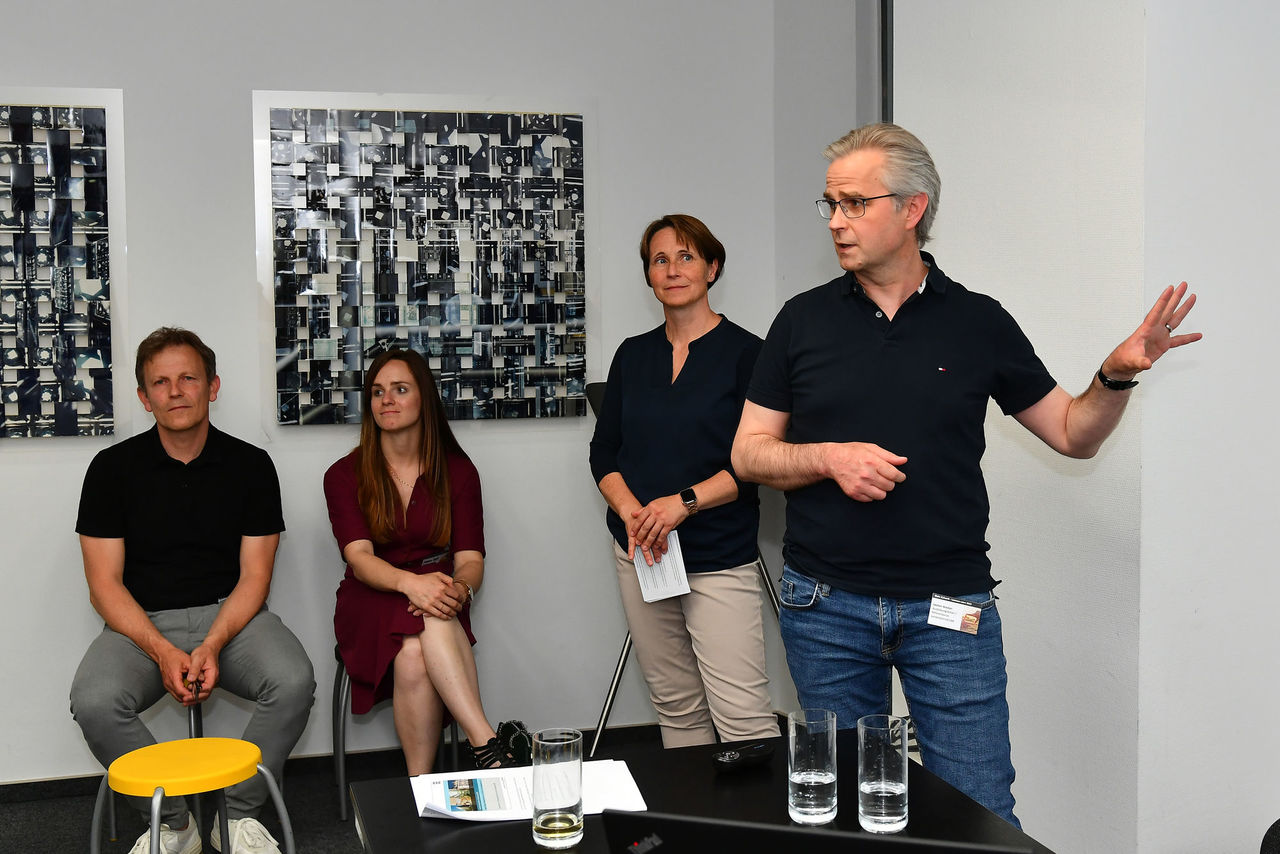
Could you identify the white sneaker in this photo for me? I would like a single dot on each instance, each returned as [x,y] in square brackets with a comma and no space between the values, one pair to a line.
[185,841]
[248,836]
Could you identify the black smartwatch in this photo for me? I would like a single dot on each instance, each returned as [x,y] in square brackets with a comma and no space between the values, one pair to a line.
[690,499]
[1115,385]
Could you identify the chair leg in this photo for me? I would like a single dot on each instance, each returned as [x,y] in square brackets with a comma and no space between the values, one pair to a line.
[95,828]
[156,800]
[224,821]
[341,702]
[112,833]
[195,729]
[768,585]
[452,743]
[611,696]
[283,814]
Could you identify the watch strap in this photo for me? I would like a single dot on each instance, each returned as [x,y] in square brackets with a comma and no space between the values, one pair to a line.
[690,499]
[1115,385]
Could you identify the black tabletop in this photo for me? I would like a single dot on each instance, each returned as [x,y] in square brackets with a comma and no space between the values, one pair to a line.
[683,781]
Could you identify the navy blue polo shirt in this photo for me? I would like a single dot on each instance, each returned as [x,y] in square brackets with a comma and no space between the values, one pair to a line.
[917,386]
[181,523]
[663,437]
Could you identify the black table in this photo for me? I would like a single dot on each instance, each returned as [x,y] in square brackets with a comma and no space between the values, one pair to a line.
[681,781]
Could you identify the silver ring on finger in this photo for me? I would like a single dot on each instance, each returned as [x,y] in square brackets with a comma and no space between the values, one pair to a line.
[1170,328]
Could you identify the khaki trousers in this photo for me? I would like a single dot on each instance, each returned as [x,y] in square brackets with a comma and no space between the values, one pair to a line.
[702,655]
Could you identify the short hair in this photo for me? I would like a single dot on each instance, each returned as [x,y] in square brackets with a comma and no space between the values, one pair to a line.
[909,168]
[172,336]
[690,231]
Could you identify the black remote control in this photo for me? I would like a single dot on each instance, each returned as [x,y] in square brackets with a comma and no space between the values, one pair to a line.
[743,757]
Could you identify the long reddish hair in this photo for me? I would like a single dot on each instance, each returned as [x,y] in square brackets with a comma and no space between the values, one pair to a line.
[377,493]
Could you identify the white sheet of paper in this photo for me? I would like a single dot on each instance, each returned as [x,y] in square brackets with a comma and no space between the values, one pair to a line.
[505,794]
[667,577]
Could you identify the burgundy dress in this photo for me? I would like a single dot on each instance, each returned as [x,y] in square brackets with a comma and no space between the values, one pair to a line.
[369,623]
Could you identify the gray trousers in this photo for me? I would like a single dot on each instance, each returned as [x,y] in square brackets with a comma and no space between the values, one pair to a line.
[264,663]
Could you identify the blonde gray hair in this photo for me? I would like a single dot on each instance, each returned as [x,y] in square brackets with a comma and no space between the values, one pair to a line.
[909,168]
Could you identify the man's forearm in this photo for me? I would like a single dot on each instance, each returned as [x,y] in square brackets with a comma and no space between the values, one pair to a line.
[245,601]
[122,613]
[774,462]
[1092,417]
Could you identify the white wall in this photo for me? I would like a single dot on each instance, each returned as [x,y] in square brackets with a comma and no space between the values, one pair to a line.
[1091,154]
[682,115]
[1209,692]
[1034,115]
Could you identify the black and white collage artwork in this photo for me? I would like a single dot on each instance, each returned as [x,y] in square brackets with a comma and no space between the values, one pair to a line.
[55,314]
[457,234]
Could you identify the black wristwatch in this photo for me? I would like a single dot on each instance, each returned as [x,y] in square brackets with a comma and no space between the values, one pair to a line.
[1115,385]
[690,499]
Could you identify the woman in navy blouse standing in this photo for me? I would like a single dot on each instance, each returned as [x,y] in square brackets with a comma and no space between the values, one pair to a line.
[660,455]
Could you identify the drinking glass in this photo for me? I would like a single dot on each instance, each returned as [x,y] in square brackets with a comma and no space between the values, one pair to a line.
[882,773]
[811,766]
[557,787]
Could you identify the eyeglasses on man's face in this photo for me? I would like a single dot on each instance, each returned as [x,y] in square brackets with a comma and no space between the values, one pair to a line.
[852,207]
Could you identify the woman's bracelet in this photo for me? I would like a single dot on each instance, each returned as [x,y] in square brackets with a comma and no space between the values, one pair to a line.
[471,593]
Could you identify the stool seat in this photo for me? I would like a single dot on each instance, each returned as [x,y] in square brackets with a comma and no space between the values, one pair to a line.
[187,766]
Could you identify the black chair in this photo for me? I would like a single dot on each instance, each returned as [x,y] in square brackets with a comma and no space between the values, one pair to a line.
[1271,841]
[341,706]
[595,397]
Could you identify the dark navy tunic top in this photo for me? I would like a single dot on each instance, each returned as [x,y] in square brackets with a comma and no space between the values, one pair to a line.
[663,437]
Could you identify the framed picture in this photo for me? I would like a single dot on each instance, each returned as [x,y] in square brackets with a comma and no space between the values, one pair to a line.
[59,218]
[457,233]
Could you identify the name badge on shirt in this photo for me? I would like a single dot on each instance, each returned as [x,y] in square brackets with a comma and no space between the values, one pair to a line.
[948,612]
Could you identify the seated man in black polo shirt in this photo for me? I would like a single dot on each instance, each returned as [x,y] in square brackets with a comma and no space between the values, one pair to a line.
[179,528]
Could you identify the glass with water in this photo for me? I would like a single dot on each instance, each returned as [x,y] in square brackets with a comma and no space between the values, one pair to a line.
[882,773]
[811,766]
[557,787]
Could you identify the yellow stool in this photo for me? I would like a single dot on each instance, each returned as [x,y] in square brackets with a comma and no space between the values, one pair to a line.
[187,766]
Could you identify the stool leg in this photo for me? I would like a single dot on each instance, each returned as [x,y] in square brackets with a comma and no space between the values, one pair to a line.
[156,800]
[95,829]
[195,729]
[112,833]
[224,823]
[341,699]
[281,812]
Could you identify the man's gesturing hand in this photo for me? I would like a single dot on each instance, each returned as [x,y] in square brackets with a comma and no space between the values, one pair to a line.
[863,471]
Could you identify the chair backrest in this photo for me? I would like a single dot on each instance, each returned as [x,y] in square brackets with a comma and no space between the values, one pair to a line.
[595,396]
[1271,840]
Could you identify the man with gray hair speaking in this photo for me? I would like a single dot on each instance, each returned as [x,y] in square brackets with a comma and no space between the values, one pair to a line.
[867,407]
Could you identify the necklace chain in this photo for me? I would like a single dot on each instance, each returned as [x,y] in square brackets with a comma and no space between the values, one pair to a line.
[398,480]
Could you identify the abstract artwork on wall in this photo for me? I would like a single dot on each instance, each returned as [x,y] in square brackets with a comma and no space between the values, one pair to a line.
[55,317]
[457,234]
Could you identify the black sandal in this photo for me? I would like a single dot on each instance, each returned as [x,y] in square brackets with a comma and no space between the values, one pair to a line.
[492,755]
[518,742]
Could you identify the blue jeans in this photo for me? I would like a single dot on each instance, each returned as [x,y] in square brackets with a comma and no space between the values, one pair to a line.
[842,646]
